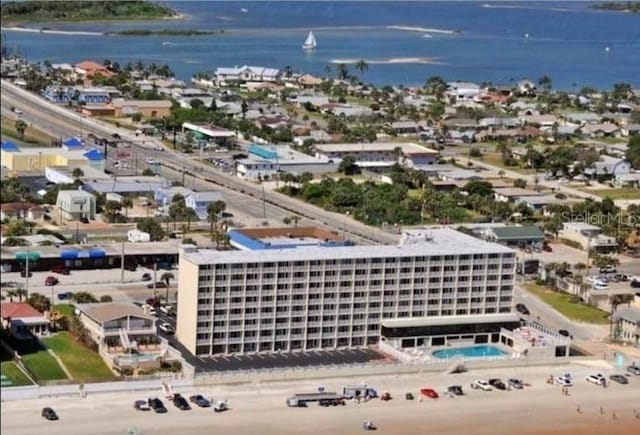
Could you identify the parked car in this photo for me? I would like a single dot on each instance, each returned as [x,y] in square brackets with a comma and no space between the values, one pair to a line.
[564,380]
[599,285]
[456,390]
[146,277]
[116,136]
[608,269]
[49,414]
[429,392]
[634,369]
[547,248]
[200,400]
[408,396]
[63,270]
[621,379]
[157,405]
[635,284]
[84,220]
[159,284]
[497,383]
[23,274]
[64,296]
[167,309]
[166,328]
[51,281]
[180,402]
[522,308]
[141,405]
[597,379]
[481,385]
[565,333]
[516,383]
[131,267]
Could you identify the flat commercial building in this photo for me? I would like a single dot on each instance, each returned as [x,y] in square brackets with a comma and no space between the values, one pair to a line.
[253,239]
[309,298]
[265,162]
[19,159]
[378,154]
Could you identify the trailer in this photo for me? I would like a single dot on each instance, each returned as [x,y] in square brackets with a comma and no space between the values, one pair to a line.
[301,400]
[359,392]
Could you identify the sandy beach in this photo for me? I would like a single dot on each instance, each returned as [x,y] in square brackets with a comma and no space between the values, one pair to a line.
[260,408]
[51,32]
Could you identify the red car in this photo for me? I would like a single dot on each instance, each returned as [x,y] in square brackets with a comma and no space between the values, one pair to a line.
[429,392]
[51,281]
[63,270]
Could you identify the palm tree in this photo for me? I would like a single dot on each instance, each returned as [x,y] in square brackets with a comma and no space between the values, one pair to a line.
[77,173]
[327,70]
[213,211]
[167,277]
[12,294]
[21,293]
[21,126]
[127,203]
[362,66]
[342,72]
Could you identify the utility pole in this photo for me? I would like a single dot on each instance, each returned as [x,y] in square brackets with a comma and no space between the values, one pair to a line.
[264,204]
[122,264]
[155,267]
[183,170]
[27,274]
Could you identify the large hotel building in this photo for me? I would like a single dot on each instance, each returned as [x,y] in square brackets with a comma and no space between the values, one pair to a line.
[436,282]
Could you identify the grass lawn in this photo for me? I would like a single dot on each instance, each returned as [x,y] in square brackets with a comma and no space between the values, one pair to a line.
[40,362]
[64,309]
[14,375]
[496,160]
[81,362]
[617,193]
[32,135]
[562,302]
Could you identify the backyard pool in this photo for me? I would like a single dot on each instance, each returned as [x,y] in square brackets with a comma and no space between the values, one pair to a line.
[469,352]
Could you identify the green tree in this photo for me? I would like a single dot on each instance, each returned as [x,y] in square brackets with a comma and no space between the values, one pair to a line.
[362,66]
[84,298]
[213,213]
[545,83]
[149,225]
[633,152]
[21,127]
[77,173]
[126,203]
[110,210]
[342,72]
[480,188]
[348,166]
[196,104]
[166,278]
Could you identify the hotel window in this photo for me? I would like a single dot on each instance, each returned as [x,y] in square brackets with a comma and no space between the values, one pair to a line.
[268,275]
[374,294]
[345,283]
[361,272]
[282,275]
[390,271]
[478,256]
[432,313]
[489,310]
[478,267]
[266,310]
[298,263]
[236,276]
[447,312]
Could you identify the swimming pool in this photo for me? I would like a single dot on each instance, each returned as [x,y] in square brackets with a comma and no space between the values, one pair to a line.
[469,352]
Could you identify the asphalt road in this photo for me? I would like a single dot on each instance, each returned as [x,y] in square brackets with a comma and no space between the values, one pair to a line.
[41,112]
[552,319]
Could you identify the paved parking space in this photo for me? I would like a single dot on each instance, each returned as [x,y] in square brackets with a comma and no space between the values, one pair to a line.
[268,361]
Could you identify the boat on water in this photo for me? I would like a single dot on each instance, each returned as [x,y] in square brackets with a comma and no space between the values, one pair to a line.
[310,42]
[167,43]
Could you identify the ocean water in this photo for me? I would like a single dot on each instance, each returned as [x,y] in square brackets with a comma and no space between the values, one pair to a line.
[499,42]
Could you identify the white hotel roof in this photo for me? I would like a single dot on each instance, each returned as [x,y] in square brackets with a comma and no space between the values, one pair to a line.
[443,241]
[407,147]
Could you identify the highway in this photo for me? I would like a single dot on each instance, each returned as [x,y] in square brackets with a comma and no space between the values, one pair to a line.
[56,119]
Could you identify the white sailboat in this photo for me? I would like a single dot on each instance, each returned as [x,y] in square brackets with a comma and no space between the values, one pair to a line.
[310,42]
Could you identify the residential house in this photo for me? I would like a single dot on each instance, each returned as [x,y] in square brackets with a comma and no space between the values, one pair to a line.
[516,236]
[588,236]
[511,194]
[246,74]
[583,118]
[406,128]
[538,202]
[626,325]
[544,122]
[164,195]
[20,210]
[23,321]
[609,167]
[314,100]
[89,69]
[463,90]
[346,110]
[628,180]
[630,130]
[118,328]
[600,130]
[460,175]
[526,87]
[76,204]
[199,201]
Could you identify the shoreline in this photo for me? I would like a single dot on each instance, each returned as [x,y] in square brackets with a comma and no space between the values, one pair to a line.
[22,23]
[538,409]
[425,30]
[390,61]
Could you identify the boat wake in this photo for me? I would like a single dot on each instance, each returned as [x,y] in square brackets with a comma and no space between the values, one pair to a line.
[490,6]
[390,61]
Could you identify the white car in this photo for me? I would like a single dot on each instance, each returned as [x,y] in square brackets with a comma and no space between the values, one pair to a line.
[599,285]
[481,385]
[596,379]
[592,279]
[166,328]
[565,381]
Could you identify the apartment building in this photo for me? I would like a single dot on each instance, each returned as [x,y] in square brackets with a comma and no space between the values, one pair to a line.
[235,302]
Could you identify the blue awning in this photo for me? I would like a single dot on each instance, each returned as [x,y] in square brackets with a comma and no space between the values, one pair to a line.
[73,142]
[97,253]
[94,155]
[9,147]
[69,254]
